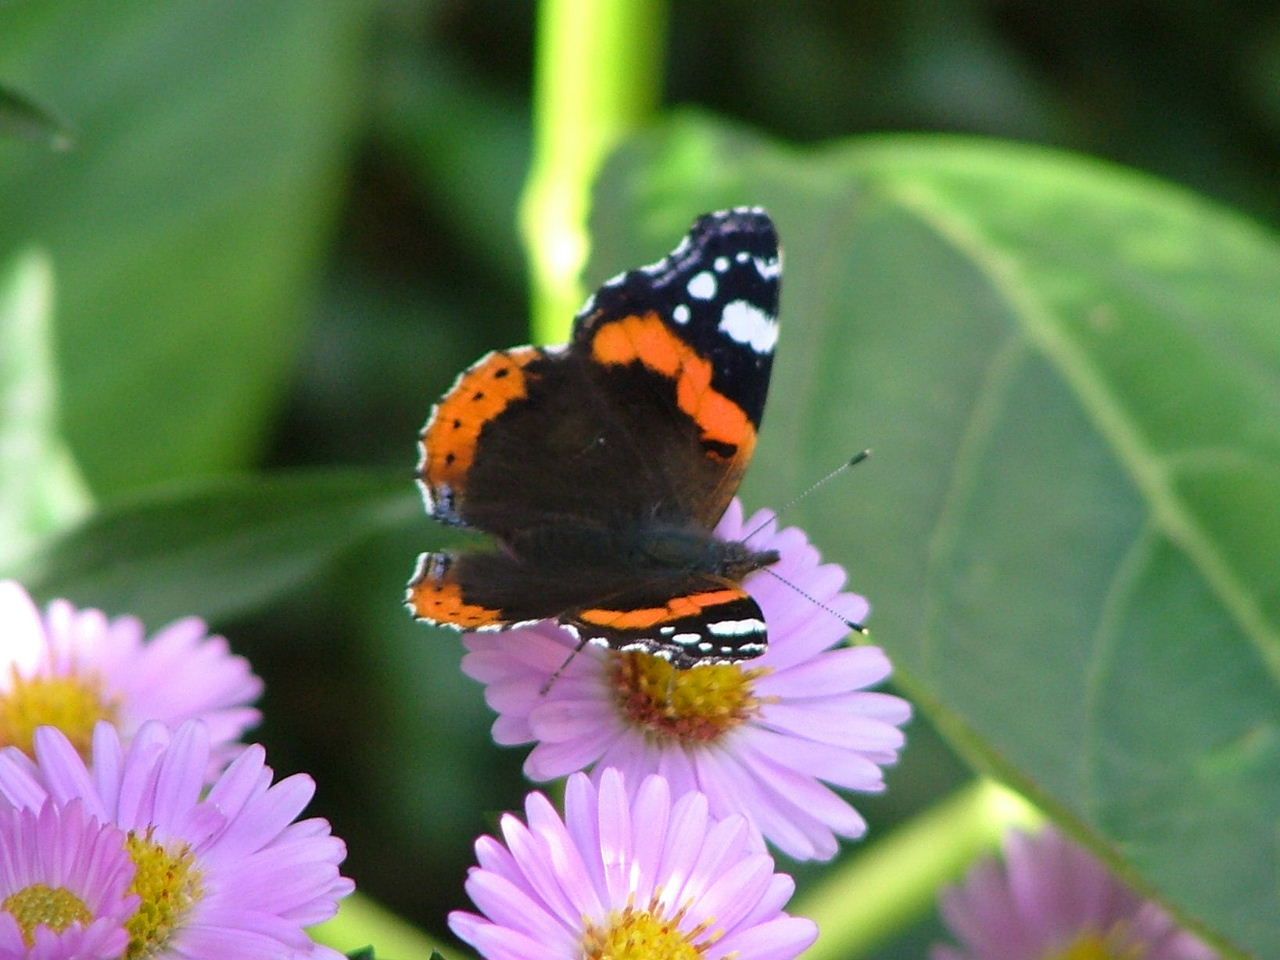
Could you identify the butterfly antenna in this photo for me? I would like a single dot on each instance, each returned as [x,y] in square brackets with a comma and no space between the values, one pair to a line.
[851,624]
[853,461]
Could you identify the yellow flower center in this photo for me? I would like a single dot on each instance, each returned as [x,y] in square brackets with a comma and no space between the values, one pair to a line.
[38,905]
[633,934]
[1109,945]
[698,705]
[73,704]
[168,885]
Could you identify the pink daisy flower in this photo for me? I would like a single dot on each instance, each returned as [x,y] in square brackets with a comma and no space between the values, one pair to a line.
[220,874]
[761,737]
[628,875]
[1053,900]
[72,668]
[63,882]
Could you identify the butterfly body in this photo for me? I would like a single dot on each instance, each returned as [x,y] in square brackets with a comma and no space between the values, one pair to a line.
[601,468]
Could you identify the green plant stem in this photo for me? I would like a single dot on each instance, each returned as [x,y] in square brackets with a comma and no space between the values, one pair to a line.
[362,922]
[598,74]
[41,489]
[879,892]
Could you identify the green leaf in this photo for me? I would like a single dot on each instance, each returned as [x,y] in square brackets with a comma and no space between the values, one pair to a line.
[221,547]
[187,222]
[1070,374]
[363,920]
[40,488]
[20,116]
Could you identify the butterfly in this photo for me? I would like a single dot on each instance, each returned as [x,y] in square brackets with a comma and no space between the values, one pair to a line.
[601,468]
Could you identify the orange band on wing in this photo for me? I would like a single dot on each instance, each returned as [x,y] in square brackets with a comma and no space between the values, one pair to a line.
[441,601]
[646,339]
[481,394]
[676,609]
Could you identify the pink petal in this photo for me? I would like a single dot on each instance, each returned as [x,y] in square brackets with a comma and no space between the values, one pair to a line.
[778,939]
[837,671]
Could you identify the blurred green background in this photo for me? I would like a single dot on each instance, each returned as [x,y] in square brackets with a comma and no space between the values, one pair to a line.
[285,226]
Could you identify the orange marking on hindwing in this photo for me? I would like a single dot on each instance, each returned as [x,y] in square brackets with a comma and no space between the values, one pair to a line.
[645,339]
[481,394]
[441,601]
[677,608]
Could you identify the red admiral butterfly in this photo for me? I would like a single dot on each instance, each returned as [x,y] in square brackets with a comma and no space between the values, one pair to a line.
[603,467]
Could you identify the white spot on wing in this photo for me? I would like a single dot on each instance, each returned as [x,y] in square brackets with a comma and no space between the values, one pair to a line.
[703,286]
[686,639]
[721,264]
[746,323]
[769,269]
[735,628]
[680,314]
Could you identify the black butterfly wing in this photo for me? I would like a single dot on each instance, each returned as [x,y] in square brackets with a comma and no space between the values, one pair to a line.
[687,619]
[697,620]
[489,589]
[650,413]
[686,346]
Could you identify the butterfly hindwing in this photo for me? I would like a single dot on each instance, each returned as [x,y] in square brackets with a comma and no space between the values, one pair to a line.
[686,619]
[493,590]
[701,620]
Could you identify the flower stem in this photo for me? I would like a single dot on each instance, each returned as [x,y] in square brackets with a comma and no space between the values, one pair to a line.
[362,922]
[44,491]
[598,74]
[876,894]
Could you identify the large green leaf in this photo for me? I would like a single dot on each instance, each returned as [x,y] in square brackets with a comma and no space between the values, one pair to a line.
[40,488]
[209,144]
[1070,531]
[218,548]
